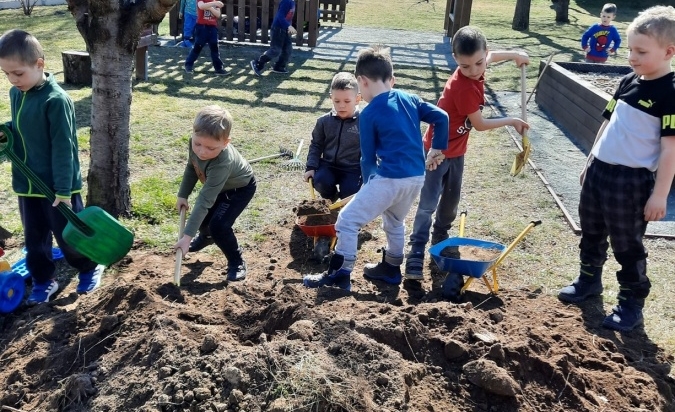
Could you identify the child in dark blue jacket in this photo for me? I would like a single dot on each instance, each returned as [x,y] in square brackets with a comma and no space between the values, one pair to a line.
[281,43]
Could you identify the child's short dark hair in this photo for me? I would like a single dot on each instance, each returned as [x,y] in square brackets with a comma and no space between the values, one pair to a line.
[344,81]
[609,8]
[657,22]
[375,63]
[213,121]
[20,45]
[468,40]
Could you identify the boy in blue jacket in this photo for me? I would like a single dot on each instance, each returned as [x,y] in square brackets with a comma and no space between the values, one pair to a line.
[392,166]
[44,130]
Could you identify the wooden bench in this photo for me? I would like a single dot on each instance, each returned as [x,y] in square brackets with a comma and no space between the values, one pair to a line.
[77,64]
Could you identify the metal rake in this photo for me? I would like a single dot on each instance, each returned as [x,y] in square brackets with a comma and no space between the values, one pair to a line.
[295,163]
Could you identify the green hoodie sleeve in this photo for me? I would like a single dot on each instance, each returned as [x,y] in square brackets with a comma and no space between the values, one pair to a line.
[60,114]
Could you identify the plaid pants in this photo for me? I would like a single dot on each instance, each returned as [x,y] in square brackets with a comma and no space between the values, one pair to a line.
[613,198]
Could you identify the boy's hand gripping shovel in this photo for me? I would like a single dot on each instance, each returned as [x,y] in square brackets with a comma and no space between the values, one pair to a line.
[92,232]
[521,158]
[179,251]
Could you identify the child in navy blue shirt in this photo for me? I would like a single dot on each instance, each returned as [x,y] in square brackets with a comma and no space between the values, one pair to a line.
[281,42]
[392,166]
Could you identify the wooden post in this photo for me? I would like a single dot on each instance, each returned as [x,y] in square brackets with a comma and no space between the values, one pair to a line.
[229,12]
[265,21]
[253,32]
[241,26]
[313,30]
[76,67]
[301,17]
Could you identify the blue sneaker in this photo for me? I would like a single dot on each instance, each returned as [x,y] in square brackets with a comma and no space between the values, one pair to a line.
[42,292]
[90,281]
[255,68]
[337,275]
[340,279]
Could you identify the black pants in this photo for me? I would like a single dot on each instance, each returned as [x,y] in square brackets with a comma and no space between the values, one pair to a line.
[40,221]
[612,203]
[221,217]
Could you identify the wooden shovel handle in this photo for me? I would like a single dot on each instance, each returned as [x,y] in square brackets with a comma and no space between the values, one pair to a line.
[179,251]
[312,193]
[523,92]
[341,203]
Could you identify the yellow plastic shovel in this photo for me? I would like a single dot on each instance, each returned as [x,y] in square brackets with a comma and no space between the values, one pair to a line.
[521,158]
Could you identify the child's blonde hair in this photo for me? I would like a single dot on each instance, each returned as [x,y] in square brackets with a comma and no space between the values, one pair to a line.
[21,46]
[344,81]
[657,22]
[213,121]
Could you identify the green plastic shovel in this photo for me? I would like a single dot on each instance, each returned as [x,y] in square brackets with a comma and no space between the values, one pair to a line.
[92,232]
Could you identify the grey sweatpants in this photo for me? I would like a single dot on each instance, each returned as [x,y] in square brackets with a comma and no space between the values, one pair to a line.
[391,198]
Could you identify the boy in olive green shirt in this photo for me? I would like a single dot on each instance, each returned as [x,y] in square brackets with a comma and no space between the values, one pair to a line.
[228,187]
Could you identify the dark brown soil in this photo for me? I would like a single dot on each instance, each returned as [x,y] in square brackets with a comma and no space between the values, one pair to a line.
[317,220]
[313,207]
[140,343]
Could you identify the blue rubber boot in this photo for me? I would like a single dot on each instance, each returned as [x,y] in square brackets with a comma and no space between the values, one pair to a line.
[586,285]
[625,316]
[388,270]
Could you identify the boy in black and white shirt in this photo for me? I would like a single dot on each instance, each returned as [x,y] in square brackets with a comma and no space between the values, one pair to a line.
[620,193]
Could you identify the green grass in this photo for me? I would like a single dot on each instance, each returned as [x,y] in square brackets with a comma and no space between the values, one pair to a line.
[278,111]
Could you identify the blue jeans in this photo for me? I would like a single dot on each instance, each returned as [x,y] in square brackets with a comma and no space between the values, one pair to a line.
[40,221]
[203,35]
[281,45]
[189,22]
[221,217]
[445,183]
[327,178]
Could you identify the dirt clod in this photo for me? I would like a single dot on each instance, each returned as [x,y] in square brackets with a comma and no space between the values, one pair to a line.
[487,375]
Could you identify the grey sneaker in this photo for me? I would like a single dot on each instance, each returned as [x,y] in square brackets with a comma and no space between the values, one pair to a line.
[222,72]
[189,69]
[414,266]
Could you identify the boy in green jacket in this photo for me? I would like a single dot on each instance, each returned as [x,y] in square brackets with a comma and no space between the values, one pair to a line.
[44,129]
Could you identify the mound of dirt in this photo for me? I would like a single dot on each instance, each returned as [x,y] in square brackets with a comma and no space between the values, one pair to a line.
[268,344]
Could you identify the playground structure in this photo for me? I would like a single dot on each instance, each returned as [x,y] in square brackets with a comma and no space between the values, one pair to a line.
[457,15]
[250,20]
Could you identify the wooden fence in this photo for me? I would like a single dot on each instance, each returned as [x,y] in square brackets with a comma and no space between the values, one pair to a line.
[242,19]
[457,15]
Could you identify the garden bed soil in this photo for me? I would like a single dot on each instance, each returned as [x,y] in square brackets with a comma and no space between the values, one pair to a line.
[313,207]
[140,343]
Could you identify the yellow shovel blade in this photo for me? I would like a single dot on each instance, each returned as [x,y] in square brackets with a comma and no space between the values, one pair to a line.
[521,158]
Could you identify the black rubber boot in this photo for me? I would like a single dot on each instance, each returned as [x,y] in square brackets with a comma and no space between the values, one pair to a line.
[586,285]
[388,270]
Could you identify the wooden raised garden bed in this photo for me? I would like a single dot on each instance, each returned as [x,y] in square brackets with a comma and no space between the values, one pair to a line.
[574,103]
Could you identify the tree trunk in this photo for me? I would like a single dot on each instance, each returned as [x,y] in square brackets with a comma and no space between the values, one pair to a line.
[521,17]
[562,9]
[111,29]
[108,178]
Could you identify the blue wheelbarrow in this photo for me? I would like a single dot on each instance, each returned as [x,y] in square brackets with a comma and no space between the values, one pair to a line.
[13,282]
[475,269]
